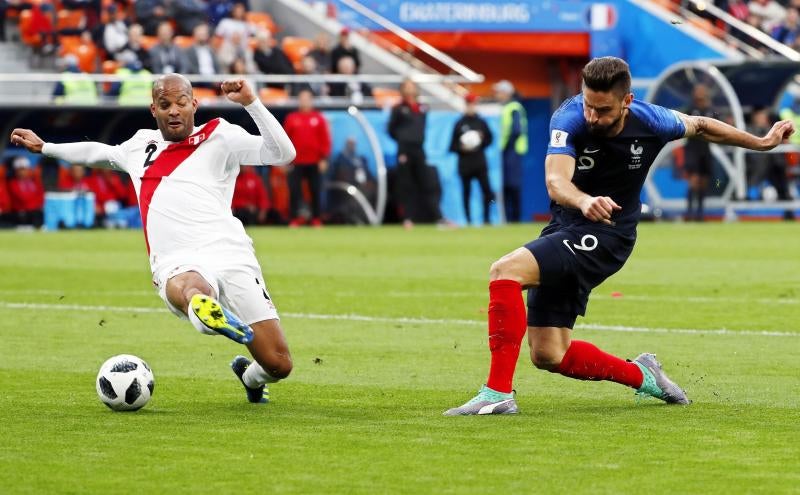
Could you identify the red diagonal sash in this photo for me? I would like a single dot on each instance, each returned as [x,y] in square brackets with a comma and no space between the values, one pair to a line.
[165,164]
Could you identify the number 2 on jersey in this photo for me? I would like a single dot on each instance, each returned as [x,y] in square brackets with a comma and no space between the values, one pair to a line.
[151,148]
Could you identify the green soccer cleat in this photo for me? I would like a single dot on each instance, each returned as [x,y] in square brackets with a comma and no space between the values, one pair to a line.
[656,383]
[218,319]
[487,401]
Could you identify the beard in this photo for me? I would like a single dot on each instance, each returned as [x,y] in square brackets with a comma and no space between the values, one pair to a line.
[604,130]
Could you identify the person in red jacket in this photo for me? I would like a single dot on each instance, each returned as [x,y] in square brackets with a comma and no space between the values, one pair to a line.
[109,192]
[250,203]
[75,180]
[5,202]
[308,130]
[26,193]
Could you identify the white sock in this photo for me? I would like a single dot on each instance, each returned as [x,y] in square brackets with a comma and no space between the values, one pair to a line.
[255,376]
[199,325]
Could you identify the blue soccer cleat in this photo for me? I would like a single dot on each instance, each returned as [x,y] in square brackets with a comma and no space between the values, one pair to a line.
[218,319]
[258,395]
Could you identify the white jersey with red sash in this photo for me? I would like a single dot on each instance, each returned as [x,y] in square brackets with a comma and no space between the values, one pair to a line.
[185,191]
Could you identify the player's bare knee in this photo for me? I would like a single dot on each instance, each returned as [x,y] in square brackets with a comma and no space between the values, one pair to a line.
[546,359]
[280,366]
[503,269]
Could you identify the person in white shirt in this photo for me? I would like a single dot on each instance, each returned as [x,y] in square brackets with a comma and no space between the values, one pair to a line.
[202,260]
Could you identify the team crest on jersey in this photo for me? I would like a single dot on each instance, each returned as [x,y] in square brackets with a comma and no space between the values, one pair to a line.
[195,140]
[636,156]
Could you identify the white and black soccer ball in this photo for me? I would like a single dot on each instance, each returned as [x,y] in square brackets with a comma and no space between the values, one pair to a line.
[125,383]
[471,139]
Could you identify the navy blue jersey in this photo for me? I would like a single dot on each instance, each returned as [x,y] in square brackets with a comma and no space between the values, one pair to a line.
[611,166]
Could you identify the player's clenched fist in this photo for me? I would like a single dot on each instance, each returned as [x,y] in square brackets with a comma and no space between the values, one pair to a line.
[238,91]
[599,208]
[28,139]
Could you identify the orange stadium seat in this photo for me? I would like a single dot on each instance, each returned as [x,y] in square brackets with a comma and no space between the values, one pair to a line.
[296,48]
[205,94]
[86,53]
[386,96]
[149,42]
[70,20]
[273,95]
[184,42]
[262,20]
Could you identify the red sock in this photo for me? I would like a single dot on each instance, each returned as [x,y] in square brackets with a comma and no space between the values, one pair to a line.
[584,361]
[507,325]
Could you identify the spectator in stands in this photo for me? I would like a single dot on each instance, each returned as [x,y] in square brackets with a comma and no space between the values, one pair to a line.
[236,24]
[75,179]
[26,194]
[344,49]
[115,32]
[308,130]
[239,67]
[231,49]
[250,202]
[166,57]
[200,58]
[136,82]
[134,47]
[767,166]
[472,155]
[270,58]
[513,146]
[188,14]
[738,9]
[109,191]
[309,67]
[356,91]
[42,24]
[350,168]
[415,180]
[788,31]
[771,13]
[150,14]
[91,10]
[699,163]
[322,52]
[218,10]
[75,87]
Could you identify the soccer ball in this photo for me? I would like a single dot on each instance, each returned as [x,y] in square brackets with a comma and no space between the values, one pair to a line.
[125,383]
[471,139]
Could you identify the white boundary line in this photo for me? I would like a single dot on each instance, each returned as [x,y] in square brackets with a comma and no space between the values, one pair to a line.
[603,297]
[418,321]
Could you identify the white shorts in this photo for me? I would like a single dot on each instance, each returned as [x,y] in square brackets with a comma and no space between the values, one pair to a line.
[239,287]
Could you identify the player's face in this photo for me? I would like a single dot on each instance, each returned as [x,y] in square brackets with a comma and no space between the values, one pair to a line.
[604,111]
[173,108]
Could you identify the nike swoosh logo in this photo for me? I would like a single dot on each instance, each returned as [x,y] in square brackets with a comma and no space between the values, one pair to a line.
[489,408]
[589,152]
[566,243]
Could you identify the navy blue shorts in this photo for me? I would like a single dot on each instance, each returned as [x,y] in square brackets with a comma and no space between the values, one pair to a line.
[572,261]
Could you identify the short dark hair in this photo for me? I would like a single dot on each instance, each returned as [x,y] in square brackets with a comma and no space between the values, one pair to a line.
[607,74]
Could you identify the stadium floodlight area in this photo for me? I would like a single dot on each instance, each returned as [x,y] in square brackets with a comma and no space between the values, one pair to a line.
[734,88]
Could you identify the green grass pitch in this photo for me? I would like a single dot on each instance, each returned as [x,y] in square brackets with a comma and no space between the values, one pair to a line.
[387,330]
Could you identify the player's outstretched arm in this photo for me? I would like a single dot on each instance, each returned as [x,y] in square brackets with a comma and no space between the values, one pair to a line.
[276,147]
[559,170]
[716,131]
[90,153]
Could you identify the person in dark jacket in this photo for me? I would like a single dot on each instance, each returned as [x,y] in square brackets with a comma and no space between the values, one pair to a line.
[344,49]
[270,59]
[698,160]
[513,146]
[471,137]
[407,127]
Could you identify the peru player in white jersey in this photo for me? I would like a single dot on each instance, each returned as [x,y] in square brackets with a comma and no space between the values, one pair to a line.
[203,262]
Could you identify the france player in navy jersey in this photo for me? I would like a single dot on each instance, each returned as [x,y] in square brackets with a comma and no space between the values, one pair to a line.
[602,143]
